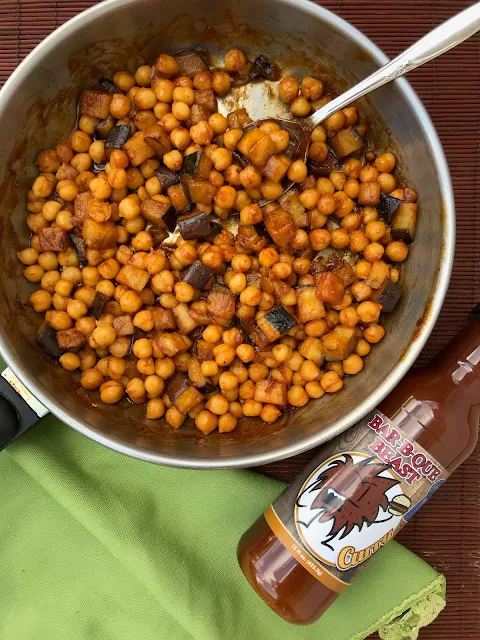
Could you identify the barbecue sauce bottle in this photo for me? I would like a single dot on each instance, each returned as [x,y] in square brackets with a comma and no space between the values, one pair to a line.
[366,484]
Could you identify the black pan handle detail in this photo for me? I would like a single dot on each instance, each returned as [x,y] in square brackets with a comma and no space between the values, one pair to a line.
[16,414]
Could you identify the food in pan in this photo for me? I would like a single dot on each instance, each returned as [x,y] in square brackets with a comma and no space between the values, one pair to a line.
[143,291]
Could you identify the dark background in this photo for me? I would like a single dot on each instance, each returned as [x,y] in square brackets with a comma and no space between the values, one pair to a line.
[447,533]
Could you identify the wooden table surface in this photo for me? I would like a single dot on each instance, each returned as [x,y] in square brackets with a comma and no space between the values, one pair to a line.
[447,532]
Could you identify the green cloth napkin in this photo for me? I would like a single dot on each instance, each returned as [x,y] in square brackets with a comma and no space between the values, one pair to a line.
[96,545]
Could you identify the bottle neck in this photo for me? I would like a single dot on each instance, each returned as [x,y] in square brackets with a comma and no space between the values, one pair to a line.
[439,406]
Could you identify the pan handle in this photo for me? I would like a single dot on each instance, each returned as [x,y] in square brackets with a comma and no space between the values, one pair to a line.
[19,410]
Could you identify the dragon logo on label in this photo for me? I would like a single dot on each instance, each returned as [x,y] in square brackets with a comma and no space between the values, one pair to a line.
[348,508]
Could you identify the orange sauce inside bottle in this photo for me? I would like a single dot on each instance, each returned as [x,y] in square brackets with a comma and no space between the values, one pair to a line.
[438,407]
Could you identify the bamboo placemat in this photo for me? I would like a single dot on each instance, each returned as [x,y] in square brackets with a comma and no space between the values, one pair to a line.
[447,533]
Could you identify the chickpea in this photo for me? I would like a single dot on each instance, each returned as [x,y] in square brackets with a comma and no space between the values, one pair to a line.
[206,421]
[164,368]
[227,381]
[217,404]
[374,333]
[144,320]
[136,390]
[374,252]
[270,413]
[103,336]
[41,301]
[163,282]
[80,141]
[361,291]
[221,82]
[309,371]
[91,379]
[394,275]
[28,256]
[353,364]
[312,88]
[368,311]
[375,230]
[67,190]
[385,162]
[202,134]
[309,198]
[213,257]
[231,138]
[331,382]
[42,187]
[363,347]
[70,361]
[212,334]
[251,296]
[314,389]
[111,392]
[49,280]
[358,241]
[301,107]
[396,251]
[224,354]
[336,121]
[235,60]
[348,316]
[351,188]
[297,396]
[86,295]
[340,238]
[238,283]
[387,182]
[369,173]
[369,214]
[252,407]
[76,309]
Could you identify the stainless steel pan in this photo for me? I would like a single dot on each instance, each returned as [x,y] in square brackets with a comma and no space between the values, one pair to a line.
[37,107]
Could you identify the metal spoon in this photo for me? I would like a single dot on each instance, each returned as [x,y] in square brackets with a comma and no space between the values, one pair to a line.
[438,41]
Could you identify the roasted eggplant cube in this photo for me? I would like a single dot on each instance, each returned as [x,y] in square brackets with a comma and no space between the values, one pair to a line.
[182,394]
[69,339]
[53,239]
[277,167]
[325,168]
[137,149]
[388,296]
[123,325]
[193,227]
[206,99]
[190,63]
[238,119]
[163,318]
[47,340]
[369,194]
[221,303]
[271,392]
[263,68]
[179,197]
[171,344]
[276,323]
[95,104]
[346,142]
[80,248]
[196,376]
[108,86]
[379,274]
[118,136]
[388,206]
[167,177]
[404,222]
[254,334]
[204,350]
[346,273]
[197,164]
[312,349]
[329,287]
[280,225]
[309,307]
[158,140]
[257,147]
[154,210]
[133,277]
[185,323]
[159,232]
[99,302]
[103,128]
[339,343]
[290,201]
[201,191]
[197,274]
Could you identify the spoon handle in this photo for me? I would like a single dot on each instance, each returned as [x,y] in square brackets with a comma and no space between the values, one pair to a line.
[444,37]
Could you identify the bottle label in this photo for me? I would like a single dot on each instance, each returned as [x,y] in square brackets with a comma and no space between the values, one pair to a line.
[353,499]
